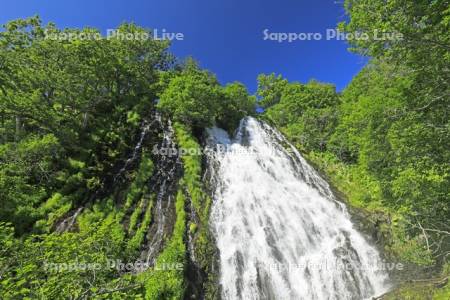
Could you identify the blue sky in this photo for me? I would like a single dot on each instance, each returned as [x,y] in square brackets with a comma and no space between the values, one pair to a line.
[225,36]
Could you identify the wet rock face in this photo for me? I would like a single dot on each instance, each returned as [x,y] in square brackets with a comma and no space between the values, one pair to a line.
[163,184]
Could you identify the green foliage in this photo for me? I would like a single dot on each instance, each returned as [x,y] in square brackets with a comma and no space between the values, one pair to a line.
[49,266]
[361,189]
[436,289]
[383,140]
[418,291]
[70,110]
[234,105]
[424,43]
[201,202]
[314,129]
[394,117]
[140,183]
[166,281]
[192,227]
[192,166]
[305,112]
[136,241]
[137,212]
[24,169]
[45,225]
[191,97]
[270,89]
[194,97]
[382,156]
[399,146]
[7,244]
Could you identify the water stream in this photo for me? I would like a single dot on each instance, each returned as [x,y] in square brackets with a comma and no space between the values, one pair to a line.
[280,231]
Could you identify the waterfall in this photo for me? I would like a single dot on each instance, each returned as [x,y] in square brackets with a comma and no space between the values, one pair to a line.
[164,185]
[145,128]
[280,231]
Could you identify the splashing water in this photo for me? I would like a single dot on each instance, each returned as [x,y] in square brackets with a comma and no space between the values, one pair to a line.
[280,231]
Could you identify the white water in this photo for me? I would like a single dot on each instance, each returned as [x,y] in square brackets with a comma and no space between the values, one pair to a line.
[280,232]
[163,198]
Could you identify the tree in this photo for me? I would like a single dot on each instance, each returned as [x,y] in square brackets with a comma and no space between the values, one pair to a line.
[235,104]
[195,98]
[191,97]
[398,119]
[305,112]
[69,98]
[270,89]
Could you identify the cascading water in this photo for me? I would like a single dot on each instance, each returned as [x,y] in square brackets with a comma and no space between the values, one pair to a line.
[166,174]
[145,127]
[280,232]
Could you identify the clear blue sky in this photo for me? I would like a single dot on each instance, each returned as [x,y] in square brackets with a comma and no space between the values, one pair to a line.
[225,36]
